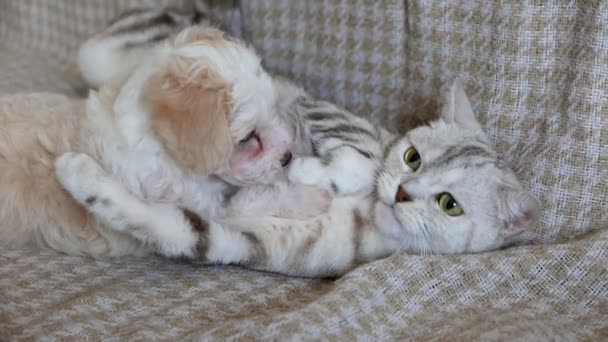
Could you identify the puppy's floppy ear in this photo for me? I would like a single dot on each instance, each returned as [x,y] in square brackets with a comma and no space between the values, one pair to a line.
[190,105]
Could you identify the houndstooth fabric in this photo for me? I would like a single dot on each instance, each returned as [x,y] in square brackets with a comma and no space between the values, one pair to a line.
[525,293]
[537,75]
[47,34]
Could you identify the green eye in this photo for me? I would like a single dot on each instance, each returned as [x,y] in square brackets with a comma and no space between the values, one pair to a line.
[448,204]
[412,159]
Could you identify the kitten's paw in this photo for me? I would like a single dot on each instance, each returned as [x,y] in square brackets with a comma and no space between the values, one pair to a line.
[306,201]
[307,170]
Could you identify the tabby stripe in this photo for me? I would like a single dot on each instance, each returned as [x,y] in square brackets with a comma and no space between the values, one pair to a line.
[322,116]
[154,39]
[202,227]
[227,194]
[479,164]
[127,14]
[130,21]
[343,137]
[341,129]
[366,154]
[359,223]
[316,145]
[195,221]
[199,16]
[310,242]
[343,140]
[462,152]
[258,252]
[308,103]
[158,20]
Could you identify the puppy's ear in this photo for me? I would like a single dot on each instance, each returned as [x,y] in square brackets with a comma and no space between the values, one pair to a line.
[190,105]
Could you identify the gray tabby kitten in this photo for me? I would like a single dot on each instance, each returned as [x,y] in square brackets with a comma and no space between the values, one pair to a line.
[438,189]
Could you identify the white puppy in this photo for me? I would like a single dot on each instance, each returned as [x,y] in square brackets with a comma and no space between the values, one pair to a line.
[200,105]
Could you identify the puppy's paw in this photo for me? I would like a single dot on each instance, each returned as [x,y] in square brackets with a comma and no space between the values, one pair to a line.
[91,186]
[79,174]
[307,170]
[306,202]
[71,163]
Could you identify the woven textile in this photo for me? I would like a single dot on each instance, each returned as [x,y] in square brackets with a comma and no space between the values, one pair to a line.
[529,293]
[537,75]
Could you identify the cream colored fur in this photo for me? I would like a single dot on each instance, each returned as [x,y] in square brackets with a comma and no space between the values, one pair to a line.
[163,133]
[34,209]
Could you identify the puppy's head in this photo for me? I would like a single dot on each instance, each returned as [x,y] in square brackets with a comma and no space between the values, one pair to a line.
[214,109]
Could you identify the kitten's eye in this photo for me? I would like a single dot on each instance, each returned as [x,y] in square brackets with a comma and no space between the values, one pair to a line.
[448,204]
[248,137]
[412,159]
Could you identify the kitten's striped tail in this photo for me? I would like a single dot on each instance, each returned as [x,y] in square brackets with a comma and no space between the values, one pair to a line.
[112,54]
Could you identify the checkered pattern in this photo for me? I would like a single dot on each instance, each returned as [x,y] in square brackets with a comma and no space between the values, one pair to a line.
[528,293]
[349,52]
[537,75]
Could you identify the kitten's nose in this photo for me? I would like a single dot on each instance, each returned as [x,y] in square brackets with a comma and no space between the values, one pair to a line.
[286,158]
[402,195]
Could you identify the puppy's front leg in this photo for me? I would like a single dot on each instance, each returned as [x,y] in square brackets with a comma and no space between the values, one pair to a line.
[164,226]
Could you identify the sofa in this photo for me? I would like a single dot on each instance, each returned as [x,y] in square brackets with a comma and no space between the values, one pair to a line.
[537,76]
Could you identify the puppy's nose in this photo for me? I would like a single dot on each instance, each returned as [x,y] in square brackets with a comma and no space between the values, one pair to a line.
[286,158]
[402,195]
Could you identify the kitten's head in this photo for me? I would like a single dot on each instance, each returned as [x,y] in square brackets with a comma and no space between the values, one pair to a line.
[443,188]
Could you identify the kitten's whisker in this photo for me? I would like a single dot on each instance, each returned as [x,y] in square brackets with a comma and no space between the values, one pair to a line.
[495,217]
[432,242]
[402,248]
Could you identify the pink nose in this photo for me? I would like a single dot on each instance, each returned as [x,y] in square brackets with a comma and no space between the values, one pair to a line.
[402,195]
[286,158]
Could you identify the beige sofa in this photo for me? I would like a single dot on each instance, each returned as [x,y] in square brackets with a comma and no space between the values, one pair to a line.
[537,73]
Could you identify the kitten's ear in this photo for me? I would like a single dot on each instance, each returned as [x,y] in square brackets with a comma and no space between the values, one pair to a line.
[520,210]
[457,108]
[386,137]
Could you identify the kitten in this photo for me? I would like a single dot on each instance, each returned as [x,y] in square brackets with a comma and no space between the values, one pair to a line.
[440,188]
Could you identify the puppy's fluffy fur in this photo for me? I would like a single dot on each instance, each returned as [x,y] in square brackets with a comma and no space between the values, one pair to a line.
[187,112]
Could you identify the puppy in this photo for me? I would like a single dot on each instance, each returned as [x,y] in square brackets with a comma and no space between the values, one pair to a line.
[197,113]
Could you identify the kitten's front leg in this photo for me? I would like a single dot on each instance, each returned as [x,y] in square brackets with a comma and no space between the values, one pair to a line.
[344,171]
[171,230]
[309,171]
